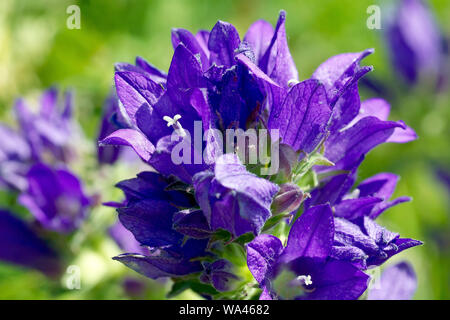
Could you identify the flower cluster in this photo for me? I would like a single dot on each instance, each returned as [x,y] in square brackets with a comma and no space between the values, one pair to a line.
[217,226]
[33,167]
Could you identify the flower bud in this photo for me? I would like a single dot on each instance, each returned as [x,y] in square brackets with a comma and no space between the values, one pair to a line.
[287,199]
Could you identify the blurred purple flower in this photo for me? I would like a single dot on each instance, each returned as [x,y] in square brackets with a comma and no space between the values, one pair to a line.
[397,282]
[415,42]
[55,197]
[21,246]
[14,158]
[51,131]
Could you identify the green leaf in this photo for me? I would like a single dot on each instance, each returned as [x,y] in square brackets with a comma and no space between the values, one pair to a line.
[195,285]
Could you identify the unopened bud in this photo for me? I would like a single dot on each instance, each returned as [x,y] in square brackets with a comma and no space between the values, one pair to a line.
[288,199]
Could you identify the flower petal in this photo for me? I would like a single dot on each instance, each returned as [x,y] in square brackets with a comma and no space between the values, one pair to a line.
[303,117]
[259,35]
[311,235]
[277,62]
[262,255]
[135,90]
[133,138]
[223,41]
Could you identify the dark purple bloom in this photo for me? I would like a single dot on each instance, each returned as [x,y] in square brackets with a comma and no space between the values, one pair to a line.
[358,238]
[233,198]
[148,212]
[202,62]
[302,269]
[355,127]
[415,42]
[55,197]
[366,243]
[21,246]
[397,282]
[190,215]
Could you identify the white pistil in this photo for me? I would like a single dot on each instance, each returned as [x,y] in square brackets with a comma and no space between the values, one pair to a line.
[175,124]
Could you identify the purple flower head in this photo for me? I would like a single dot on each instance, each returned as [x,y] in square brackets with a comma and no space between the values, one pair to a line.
[55,197]
[21,246]
[195,218]
[415,42]
[302,269]
[51,131]
[204,83]
[233,198]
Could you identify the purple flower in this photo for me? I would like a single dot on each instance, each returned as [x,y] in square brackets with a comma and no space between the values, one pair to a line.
[111,122]
[220,274]
[355,127]
[415,42]
[397,282]
[148,212]
[51,131]
[233,198]
[55,197]
[366,243]
[14,156]
[302,269]
[21,246]
[358,238]
[191,216]
[205,62]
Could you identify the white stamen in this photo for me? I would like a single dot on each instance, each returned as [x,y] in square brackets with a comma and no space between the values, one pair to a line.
[305,279]
[175,124]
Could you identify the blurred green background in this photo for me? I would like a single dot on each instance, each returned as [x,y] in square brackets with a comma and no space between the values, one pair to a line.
[37,50]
